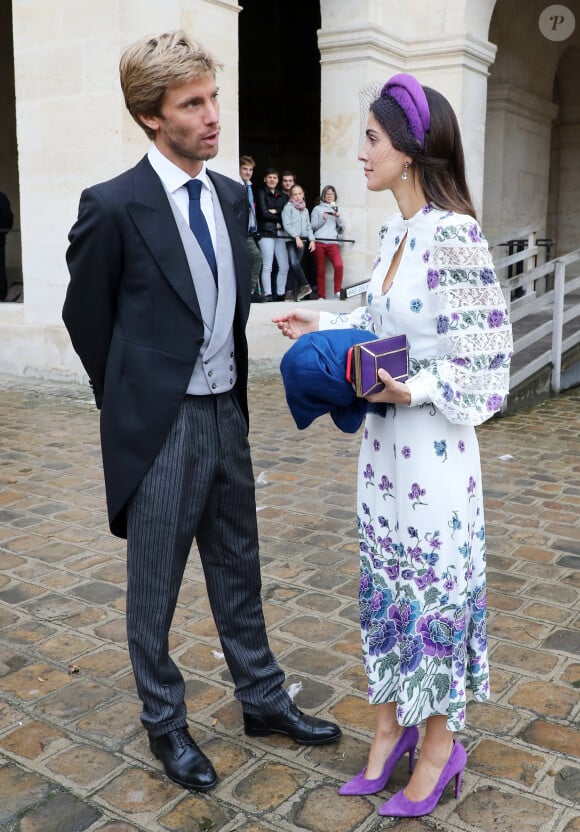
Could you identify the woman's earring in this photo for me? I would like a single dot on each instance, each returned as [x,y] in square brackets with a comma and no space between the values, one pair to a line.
[405,175]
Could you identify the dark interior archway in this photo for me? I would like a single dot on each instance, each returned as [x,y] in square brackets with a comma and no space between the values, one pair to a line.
[279,95]
[9,154]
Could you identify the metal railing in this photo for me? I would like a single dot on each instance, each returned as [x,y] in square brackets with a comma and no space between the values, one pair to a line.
[543,291]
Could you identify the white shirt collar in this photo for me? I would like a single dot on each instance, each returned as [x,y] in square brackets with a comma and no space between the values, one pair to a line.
[172,176]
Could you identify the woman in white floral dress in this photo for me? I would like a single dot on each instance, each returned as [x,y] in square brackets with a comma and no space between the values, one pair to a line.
[420,500]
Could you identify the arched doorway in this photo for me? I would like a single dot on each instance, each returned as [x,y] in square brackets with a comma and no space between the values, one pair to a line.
[279,89]
[9,153]
[532,141]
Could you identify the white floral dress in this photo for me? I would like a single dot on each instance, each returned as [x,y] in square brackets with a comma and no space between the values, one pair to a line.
[420,500]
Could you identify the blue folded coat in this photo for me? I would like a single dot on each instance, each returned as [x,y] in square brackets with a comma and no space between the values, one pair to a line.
[314,375]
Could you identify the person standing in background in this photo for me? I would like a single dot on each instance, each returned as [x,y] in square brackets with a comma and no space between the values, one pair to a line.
[247,166]
[288,181]
[296,223]
[271,201]
[327,225]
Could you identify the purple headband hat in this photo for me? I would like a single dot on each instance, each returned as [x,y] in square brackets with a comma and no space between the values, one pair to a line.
[411,98]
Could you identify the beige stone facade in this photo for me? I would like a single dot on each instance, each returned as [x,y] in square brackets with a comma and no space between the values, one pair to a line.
[515,92]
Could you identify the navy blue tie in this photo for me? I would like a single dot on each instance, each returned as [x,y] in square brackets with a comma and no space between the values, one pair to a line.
[198,224]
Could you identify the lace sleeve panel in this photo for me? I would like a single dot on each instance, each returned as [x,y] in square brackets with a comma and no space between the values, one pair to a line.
[469,379]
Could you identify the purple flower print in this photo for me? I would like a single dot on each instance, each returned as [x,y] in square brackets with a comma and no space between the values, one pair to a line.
[448,392]
[455,316]
[460,622]
[487,276]
[414,553]
[494,402]
[429,577]
[442,324]
[495,318]
[471,488]
[386,486]
[434,539]
[385,543]
[411,653]
[433,279]
[449,584]
[426,256]
[415,494]
[365,583]
[376,445]
[412,532]
[497,361]
[369,531]
[382,637]
[480,634]
[376,601]
[437,634]
[369,474]
[392,571]
[474,234]
[405,452]
[459,362]
[461,446]
[428,208]
[366,433]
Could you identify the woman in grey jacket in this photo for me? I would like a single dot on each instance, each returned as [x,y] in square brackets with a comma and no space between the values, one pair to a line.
[296,223]
[327,226]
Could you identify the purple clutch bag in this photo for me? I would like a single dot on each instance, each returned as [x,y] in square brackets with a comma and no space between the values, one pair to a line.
[364,361]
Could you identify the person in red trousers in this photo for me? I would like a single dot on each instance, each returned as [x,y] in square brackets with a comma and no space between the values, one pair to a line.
[328,229]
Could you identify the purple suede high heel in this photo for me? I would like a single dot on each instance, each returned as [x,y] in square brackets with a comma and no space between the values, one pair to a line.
[360,785]
[400,806]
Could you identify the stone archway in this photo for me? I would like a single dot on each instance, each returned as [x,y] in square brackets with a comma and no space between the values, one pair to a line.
[532,87]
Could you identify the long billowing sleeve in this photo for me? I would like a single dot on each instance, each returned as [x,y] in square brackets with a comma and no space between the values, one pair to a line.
[446,298]
[468,378]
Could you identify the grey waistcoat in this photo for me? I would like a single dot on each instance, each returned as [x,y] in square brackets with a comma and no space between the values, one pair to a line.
[215,368]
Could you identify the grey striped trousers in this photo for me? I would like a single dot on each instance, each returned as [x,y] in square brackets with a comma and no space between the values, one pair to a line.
[200,486]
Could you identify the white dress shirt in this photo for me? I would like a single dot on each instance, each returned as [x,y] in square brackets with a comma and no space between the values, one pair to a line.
[174,178]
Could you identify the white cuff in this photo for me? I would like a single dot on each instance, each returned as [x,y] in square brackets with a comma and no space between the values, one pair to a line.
[421,387]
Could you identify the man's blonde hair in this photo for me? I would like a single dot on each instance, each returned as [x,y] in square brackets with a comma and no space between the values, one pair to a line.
[153,64]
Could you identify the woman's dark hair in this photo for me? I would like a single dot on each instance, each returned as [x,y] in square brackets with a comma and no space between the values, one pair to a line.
[440,165]
[325,191]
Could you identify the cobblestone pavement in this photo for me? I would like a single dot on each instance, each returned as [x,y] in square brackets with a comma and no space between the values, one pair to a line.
[72,753]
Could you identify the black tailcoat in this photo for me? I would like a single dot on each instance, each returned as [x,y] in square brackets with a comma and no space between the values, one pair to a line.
[133,316]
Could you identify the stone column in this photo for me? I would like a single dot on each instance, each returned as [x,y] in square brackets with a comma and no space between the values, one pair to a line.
[74,131]
[517,159]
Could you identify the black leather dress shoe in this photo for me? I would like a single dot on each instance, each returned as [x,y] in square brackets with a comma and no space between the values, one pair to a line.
[182,760]
[303,729]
